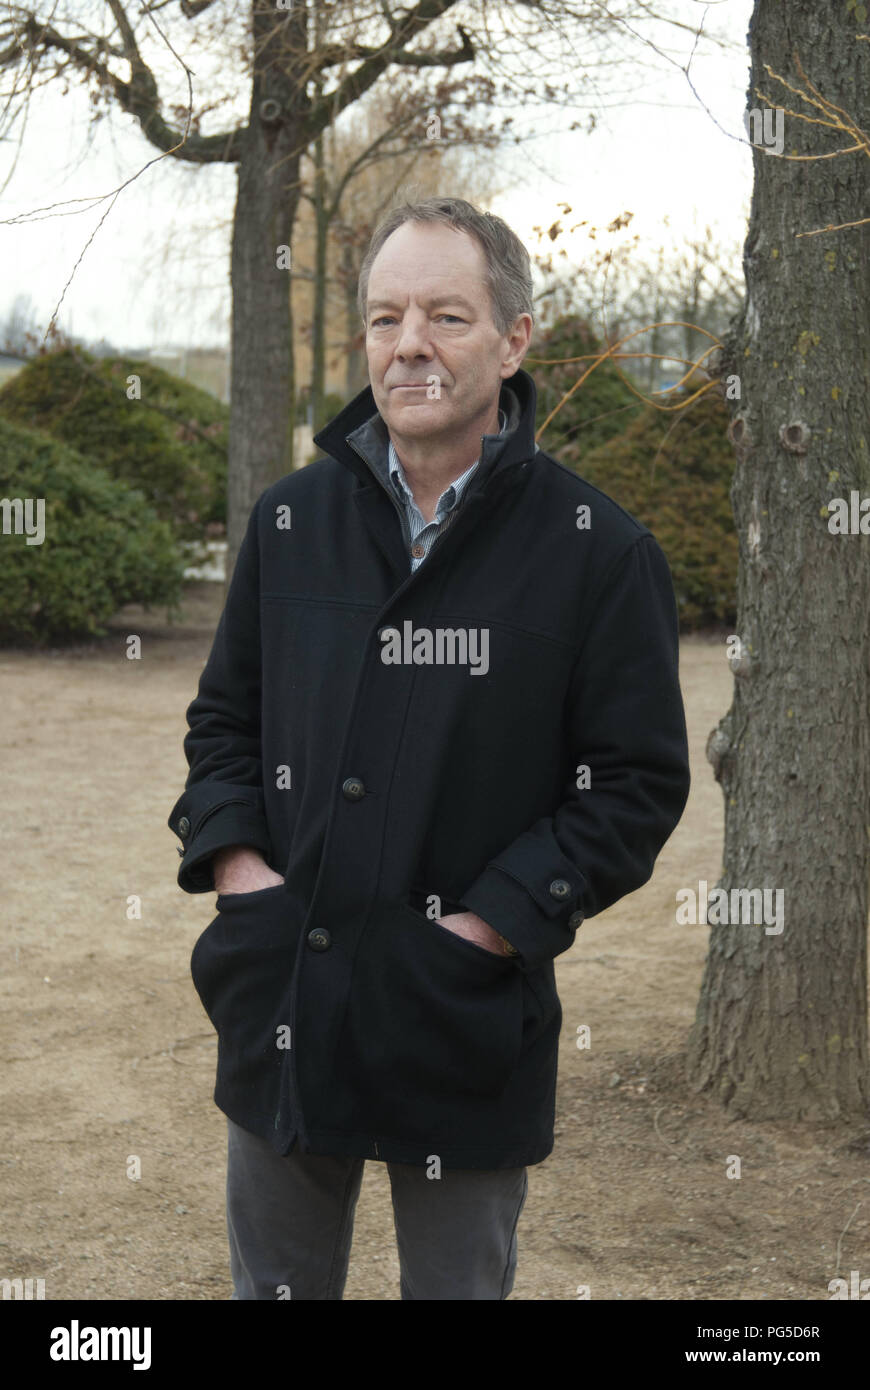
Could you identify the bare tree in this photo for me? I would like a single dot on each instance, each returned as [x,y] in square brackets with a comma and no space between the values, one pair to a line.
[308,63]
[673,296]
[695,281]
[781,1026]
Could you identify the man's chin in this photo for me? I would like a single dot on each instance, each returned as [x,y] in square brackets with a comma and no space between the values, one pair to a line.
[411,413]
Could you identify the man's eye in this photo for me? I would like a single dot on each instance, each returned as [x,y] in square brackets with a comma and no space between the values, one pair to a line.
[388,318]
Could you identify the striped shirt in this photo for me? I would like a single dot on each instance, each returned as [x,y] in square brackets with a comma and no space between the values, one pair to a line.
[423,534]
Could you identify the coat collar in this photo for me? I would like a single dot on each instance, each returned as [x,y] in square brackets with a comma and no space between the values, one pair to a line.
[358,438]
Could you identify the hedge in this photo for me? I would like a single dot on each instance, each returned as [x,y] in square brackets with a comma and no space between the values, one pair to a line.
[598,410]
[673,471]
[182,474]
[104,545]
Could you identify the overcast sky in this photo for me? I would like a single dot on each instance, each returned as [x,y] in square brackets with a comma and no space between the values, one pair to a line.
[157,270]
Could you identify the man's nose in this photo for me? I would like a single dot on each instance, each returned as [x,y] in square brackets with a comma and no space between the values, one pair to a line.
[414,339]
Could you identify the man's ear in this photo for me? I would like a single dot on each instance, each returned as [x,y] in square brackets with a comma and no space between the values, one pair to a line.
[519,337]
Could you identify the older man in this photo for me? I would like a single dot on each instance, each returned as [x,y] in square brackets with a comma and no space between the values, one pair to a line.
[440,725]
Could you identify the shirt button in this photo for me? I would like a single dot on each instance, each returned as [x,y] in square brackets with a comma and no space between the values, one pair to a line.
[417,551]
[319,939]
[353,789]
[560,888]
[575,920]
[184,827]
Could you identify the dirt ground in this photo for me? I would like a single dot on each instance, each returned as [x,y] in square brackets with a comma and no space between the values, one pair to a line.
[107,1053]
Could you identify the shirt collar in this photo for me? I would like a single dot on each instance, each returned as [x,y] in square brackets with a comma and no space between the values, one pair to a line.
[453,492]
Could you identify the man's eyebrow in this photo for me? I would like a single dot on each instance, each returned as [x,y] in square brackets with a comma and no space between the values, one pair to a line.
[458,299]
[452,299]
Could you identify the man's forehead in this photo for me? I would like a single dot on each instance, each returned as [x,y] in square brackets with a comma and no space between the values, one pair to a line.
[390,294]
[431,289]
[428,257]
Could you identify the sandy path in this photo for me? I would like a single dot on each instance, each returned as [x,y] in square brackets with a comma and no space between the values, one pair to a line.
[107,1053]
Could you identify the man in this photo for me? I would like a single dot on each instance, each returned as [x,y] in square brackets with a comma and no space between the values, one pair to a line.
[440,725]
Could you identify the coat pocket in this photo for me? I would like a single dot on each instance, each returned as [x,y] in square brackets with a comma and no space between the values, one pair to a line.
[242,967]
[430,1012]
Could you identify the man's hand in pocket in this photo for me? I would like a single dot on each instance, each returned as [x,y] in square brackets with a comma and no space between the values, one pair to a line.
[473,928]
[240,869]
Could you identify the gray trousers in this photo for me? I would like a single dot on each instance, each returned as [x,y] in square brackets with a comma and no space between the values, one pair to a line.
[290,1224]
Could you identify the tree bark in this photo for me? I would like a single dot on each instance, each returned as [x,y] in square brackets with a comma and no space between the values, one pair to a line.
[318,314]
[356,364]
[781,1025]
[261,389]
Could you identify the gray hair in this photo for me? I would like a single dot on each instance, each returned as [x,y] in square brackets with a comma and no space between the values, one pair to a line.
[509,274]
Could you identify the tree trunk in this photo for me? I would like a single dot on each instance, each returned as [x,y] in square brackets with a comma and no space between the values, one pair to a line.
[261,395]
[355,363]
[293,385]
[321,239]
[781,1026]
[318,314]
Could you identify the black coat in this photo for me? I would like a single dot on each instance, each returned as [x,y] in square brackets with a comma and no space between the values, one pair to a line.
[347,1018]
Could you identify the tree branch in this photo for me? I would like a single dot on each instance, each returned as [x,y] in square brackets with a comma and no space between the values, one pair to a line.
[191,8]
[367,156]
[128,39]
[339,53]
[139,97]
[356,83]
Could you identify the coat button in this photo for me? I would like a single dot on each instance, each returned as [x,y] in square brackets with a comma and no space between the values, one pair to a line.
[184,827]
[575,920]
[353,789]
[319,940]
[560,888]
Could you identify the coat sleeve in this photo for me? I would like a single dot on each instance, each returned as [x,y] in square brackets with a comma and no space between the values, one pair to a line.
[625,721]
[223,802]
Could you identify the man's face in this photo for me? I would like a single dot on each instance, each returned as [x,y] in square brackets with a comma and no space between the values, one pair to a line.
[429,315]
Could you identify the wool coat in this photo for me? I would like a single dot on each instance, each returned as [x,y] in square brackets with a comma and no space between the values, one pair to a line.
[500,731]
